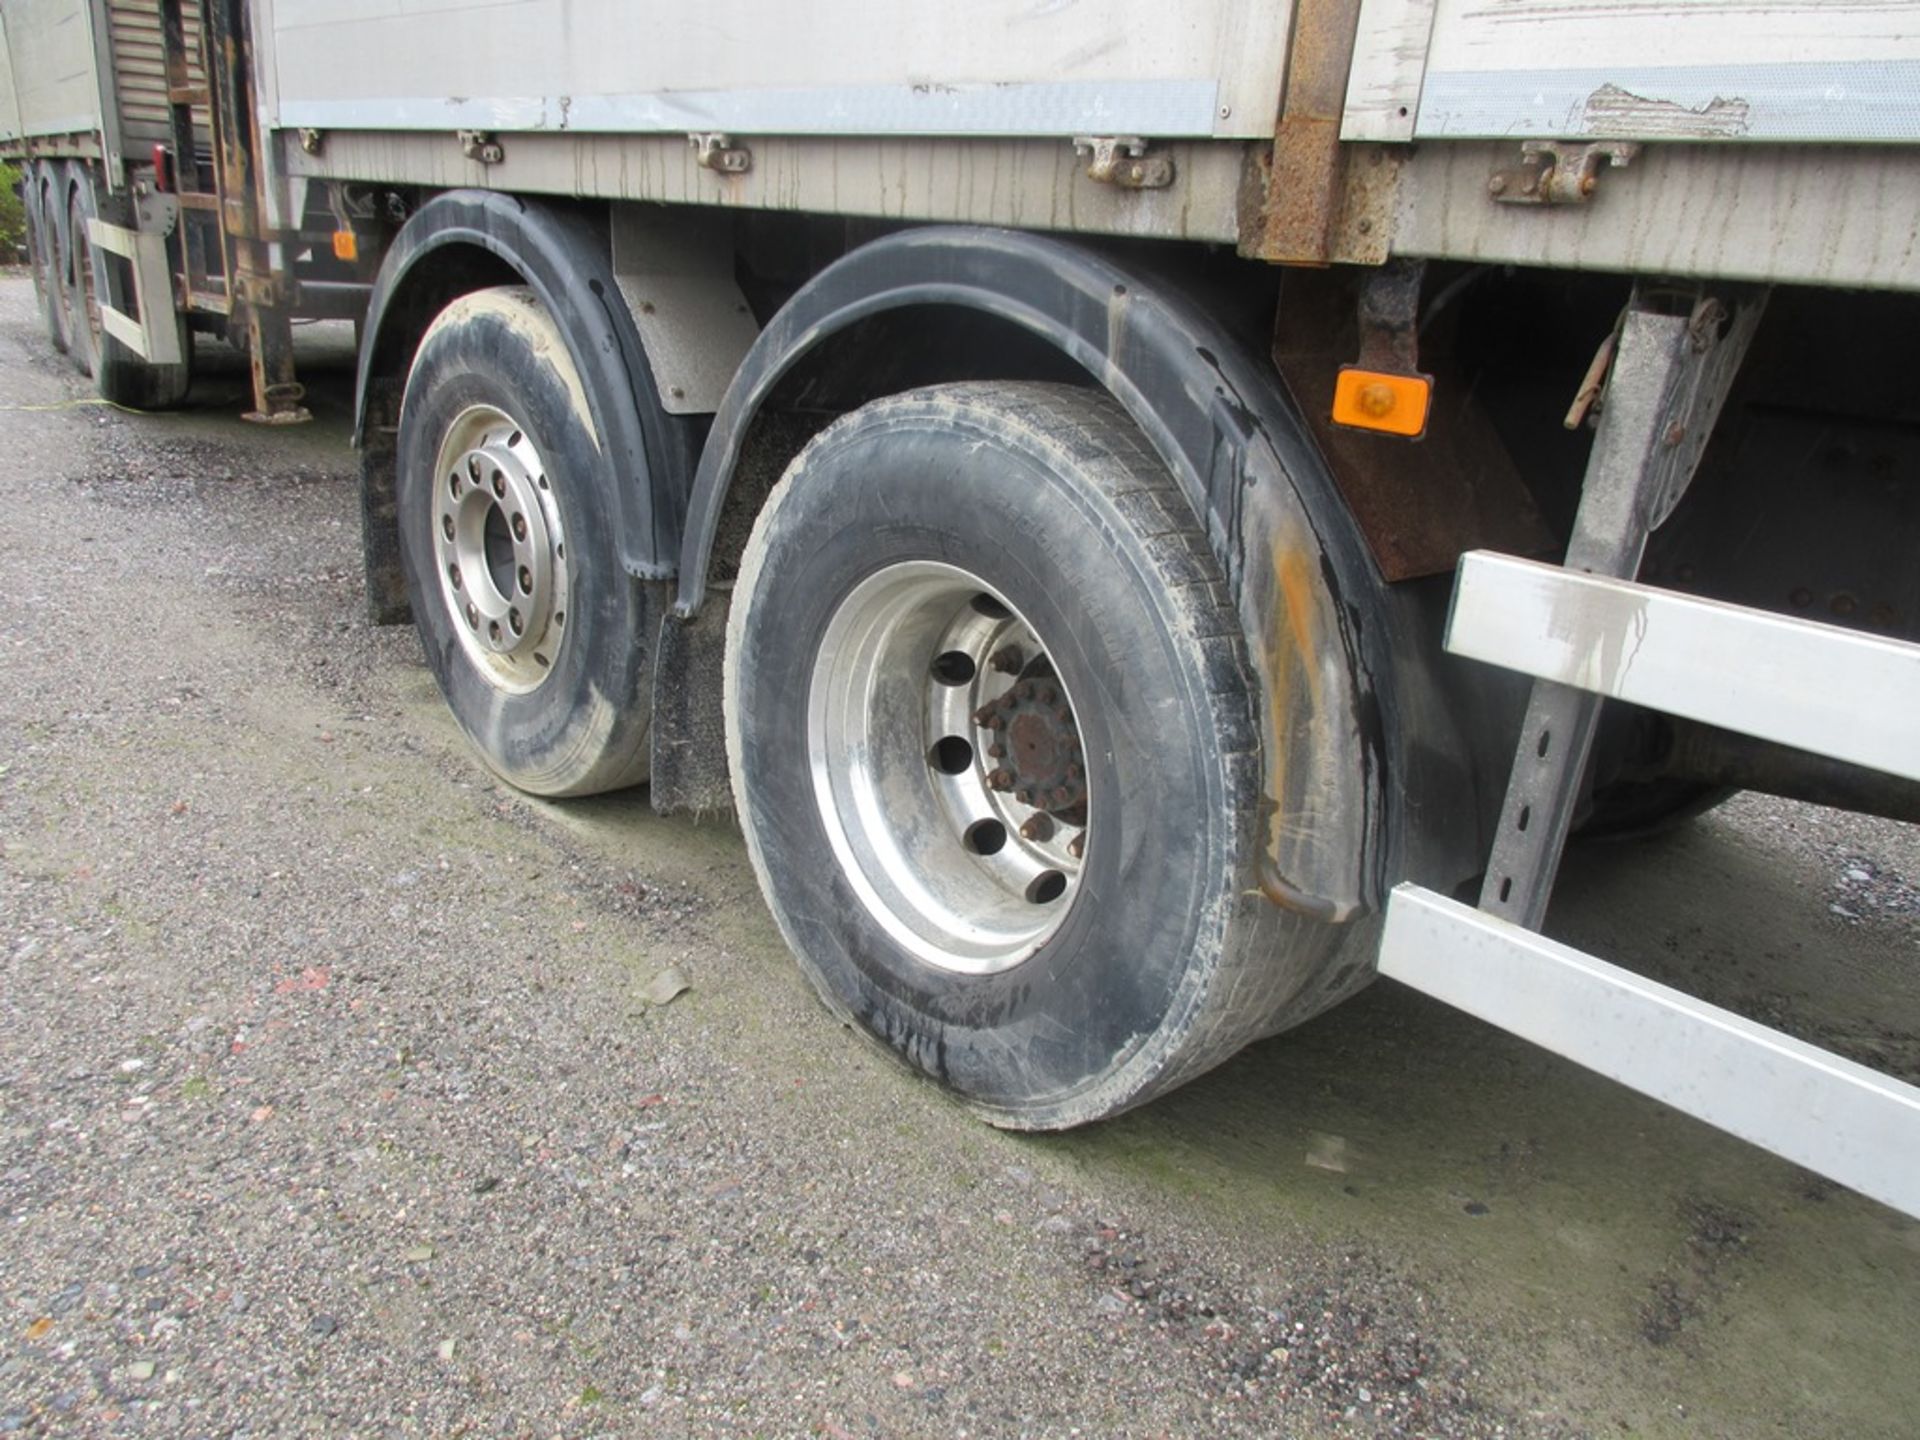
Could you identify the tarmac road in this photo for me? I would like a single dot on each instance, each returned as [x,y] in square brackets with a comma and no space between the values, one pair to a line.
[331,1104]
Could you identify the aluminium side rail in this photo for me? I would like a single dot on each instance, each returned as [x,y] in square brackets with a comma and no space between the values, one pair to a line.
[1585,631]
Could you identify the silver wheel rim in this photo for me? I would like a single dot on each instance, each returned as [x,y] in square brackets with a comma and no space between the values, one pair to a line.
[946,763]
[501,552]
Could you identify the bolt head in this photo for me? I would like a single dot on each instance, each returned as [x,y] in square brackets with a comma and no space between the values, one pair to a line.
[1038,827]
[1077,846]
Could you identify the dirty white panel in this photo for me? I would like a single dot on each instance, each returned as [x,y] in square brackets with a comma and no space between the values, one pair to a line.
[50,49]
[9,102]
[832,67]
[1813,214]
[1767,70]
[1389,63]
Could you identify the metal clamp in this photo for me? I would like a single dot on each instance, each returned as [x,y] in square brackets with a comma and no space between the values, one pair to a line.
[480,145]
[715,150]
[1557,172]
[1123,160]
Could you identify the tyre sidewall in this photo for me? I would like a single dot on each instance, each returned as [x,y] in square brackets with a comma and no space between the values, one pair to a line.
[1131,959]
[50,196]
[82,343]
[587,720]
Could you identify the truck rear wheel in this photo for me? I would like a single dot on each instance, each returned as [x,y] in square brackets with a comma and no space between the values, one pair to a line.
[118,373]
[992,741]
[538,638]
[46,206]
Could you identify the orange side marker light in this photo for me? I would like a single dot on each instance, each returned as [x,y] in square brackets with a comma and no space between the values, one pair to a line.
[346,246]
[1386,404]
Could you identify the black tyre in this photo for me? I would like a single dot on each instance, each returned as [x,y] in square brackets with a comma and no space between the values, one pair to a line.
[992,740]
[539,639]
[118,373]
[46,218]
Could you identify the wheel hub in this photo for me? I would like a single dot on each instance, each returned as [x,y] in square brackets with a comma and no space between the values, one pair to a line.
[502,555]
[948,767]
[1041,763]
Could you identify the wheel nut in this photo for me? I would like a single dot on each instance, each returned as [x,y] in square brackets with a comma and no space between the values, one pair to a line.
[996,751]
[1077,846]
[1001,779]
[526,581]
[513,619]
[1007,660]
[1074,772]
[1061,795]
[1038,827]
[499,485]
[519,525]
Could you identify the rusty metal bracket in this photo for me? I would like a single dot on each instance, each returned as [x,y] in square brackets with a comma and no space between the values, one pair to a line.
[1389,314]
[715,150]
[272,290]
[1558,172]
[1123,160]
[480,145]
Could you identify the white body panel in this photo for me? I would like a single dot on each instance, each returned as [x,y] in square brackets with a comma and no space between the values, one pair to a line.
[832,67]
[50,85]
[1844,71]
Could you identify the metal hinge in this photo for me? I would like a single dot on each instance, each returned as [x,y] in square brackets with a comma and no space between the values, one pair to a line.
[480,145]
[714,150]
[1557,172]
[1123,160]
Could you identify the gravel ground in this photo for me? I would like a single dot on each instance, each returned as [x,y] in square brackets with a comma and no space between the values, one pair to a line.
[333,1100]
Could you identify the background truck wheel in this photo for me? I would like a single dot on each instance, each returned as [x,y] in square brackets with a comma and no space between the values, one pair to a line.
[993,748]
[538,637]
[118,373]
[46,211]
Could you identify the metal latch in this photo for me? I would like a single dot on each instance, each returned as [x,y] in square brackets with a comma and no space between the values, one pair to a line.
[713,150]
[480,145]
[1557,172]
[1123,160]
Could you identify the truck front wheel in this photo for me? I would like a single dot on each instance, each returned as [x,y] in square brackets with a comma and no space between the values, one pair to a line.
[992,740]
[537,636]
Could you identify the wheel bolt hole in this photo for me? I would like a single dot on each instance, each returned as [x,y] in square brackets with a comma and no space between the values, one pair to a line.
[986,837]
[951,756]
[446,527]
[513,439]
[473,468]
[453,485]
[519,526]
[453,574]
[526,581]
[515,622]
[499,485]
[1046,887]
[559,617]
[493,631]
[954,667]
[991,608]
[542,482]
[473,618]
[541,660]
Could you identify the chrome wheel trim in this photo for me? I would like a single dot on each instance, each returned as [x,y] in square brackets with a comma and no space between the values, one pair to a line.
[951,850]
[499,548]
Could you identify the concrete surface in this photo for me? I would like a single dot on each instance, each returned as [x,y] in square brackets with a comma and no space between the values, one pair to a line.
[330,1104]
